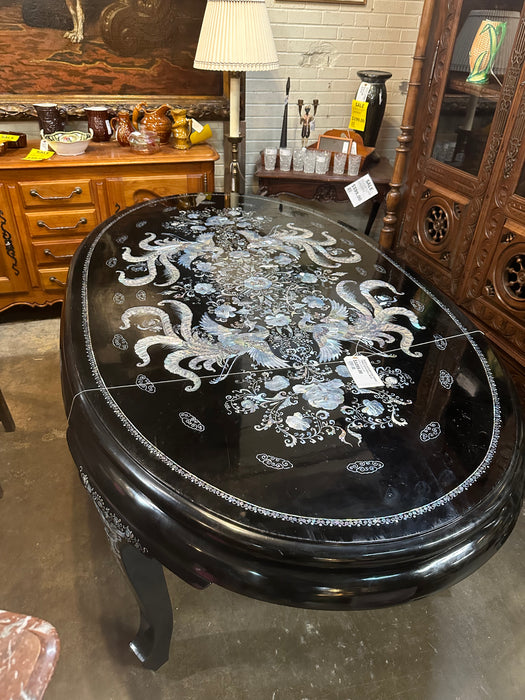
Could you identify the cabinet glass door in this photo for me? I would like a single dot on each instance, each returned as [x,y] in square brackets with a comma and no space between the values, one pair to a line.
[479,61]
[520,189]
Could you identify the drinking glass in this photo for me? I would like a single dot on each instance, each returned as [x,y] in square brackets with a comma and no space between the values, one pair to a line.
[322,162]
[339,163]
[309,160]
[298,159]
[270,158]
[285,158]
[354,163]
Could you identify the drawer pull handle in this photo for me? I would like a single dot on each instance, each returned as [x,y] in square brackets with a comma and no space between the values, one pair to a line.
[57,281]
[36,193]
[57,257]
[43,224]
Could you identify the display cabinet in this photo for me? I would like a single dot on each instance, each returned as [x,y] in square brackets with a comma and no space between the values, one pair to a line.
[462,218]
[48,207]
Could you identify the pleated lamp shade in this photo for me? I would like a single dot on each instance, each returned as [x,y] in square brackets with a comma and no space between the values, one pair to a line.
[236,36]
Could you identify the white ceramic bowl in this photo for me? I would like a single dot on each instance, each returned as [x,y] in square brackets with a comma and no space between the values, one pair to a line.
[68,143]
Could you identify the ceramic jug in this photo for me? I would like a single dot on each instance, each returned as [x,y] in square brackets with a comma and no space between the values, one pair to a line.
[98,121]
[156,120]
[181,129]
[51,118]
[487,41]
[122,127]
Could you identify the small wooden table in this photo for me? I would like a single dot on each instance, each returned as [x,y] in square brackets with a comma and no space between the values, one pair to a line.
[327,187]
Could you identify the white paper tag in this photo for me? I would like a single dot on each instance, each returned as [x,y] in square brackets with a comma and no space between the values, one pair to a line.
[196,126]
[361,190]
[362,92]
[362,372]
[43,145]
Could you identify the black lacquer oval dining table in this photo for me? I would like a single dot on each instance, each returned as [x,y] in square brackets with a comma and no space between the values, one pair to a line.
[258,397]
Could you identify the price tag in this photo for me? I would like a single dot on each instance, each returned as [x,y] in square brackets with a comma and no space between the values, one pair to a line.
[37,154]
[358,117]
[362,372]
[362,92]
[9,137]
[196,126]
[361,190]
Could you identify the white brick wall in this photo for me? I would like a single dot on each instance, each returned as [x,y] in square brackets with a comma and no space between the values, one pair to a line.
[321,46]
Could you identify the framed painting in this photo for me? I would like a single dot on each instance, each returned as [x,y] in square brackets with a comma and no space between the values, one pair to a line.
[113,52]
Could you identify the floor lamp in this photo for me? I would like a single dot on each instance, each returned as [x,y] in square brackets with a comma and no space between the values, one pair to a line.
[236,36]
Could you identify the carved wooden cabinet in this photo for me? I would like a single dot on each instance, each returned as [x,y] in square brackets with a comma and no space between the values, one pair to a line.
[48,207]
[463,215]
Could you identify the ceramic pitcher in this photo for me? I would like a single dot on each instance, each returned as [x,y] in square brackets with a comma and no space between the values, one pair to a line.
[122,127]
[51,118]
[156,120]
[98,120]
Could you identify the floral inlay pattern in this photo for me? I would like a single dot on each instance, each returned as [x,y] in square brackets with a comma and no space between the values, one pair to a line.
[295,323]
[365,466]
[248,321]
[445,379]
[430,432]
[274,462]
[191,421]
[145,384]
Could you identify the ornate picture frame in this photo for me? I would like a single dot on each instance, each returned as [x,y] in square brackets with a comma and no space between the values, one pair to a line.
[105,52]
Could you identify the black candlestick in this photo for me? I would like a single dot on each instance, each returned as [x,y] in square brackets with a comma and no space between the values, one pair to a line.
[284,129]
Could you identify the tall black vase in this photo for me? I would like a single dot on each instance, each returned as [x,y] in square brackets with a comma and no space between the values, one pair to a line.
[373,91]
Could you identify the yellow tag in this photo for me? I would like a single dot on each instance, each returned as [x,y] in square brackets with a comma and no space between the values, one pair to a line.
[358,118]
[37,154]
[9,137]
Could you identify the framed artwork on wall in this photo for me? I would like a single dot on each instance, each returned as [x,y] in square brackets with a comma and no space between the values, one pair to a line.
[113,52]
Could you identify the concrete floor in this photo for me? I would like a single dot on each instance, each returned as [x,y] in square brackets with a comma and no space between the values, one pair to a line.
[466,643]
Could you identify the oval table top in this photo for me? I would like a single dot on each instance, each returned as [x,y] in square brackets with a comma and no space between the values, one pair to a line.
[267,381]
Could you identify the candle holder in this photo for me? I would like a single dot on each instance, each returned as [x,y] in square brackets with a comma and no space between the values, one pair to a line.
[307,119]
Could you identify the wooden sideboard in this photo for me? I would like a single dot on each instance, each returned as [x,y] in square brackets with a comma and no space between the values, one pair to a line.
[48,207]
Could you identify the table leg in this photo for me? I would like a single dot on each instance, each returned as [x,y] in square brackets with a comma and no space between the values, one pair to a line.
[373,213]
[146,575]
[5,415]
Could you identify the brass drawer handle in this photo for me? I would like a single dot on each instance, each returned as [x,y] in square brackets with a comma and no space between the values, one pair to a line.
[43,224]
[57,281]
[57,257]
[36,193]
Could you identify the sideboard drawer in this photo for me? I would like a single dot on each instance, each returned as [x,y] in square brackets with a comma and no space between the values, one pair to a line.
[53,278]
[55,252]
[133,190]
[55,193]
[65,223]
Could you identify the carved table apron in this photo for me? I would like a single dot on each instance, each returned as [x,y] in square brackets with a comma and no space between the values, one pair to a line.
[259,398]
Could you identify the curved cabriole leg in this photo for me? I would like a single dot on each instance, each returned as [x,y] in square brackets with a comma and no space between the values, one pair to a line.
[146,575]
